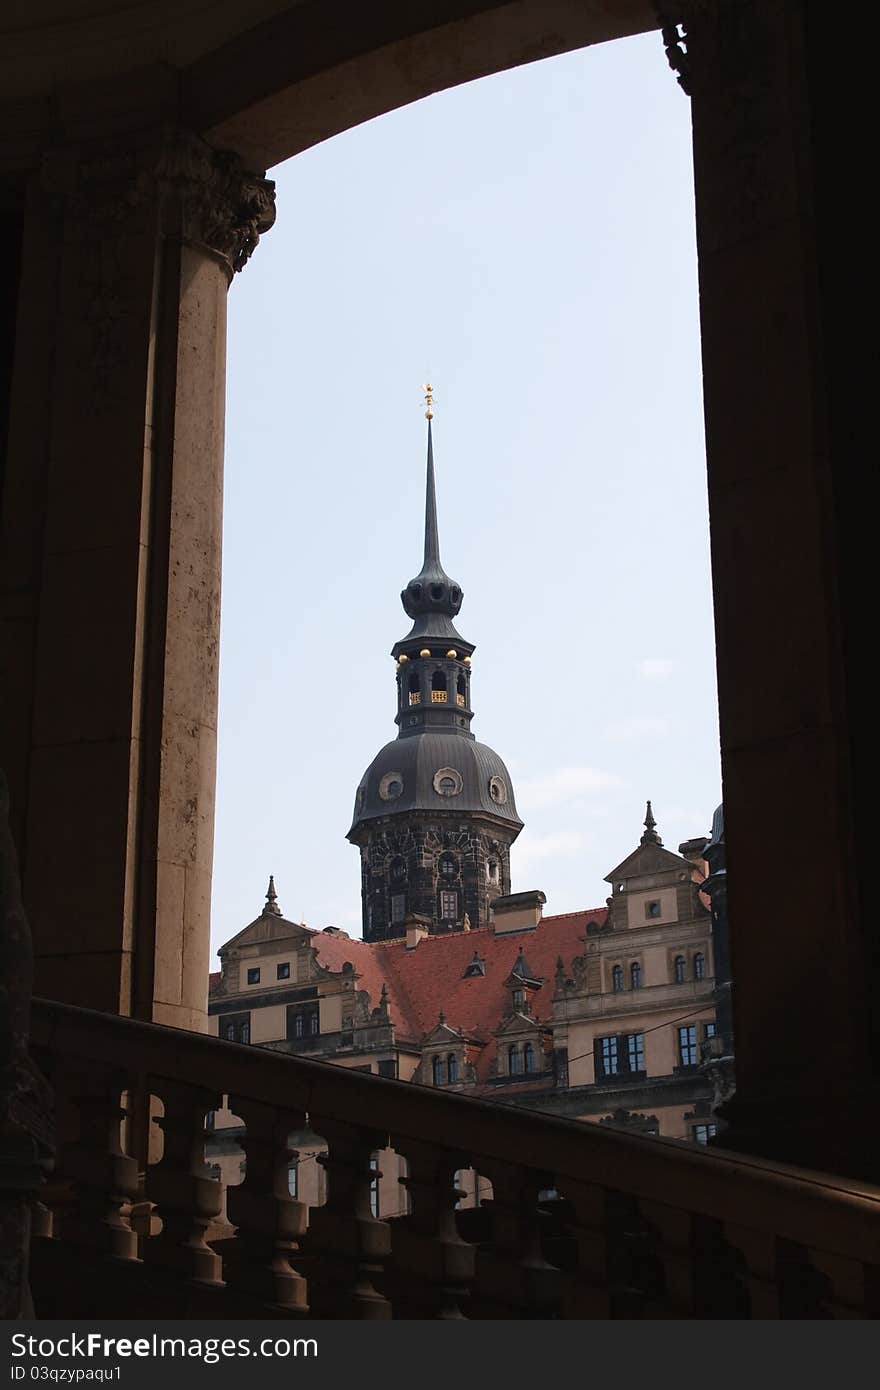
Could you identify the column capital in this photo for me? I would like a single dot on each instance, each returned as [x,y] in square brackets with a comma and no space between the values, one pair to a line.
[204,196]
[219,203]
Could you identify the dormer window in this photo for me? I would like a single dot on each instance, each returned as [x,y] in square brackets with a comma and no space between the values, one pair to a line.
[452,1067]
[476,967]
[528,1057]
[518,998]
[437,1071]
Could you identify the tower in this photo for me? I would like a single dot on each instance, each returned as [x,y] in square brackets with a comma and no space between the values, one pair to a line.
[434,813]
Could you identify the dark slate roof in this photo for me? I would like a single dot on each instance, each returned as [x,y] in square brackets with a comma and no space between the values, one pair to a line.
[417,759]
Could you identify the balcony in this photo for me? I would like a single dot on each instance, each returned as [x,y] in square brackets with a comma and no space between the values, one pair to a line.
[638,1228]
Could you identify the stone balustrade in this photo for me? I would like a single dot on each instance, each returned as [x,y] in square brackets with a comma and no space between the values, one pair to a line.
[584,1222]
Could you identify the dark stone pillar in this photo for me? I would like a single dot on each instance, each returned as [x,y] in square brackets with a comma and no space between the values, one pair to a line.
[790,688]
[111,580]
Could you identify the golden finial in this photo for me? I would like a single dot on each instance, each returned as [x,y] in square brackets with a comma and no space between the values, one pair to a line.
[429,400]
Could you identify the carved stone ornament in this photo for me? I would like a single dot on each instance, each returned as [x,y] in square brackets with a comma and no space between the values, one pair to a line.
[221,204]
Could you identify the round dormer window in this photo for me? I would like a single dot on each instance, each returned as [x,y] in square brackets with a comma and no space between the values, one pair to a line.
[447,782]
[391,786]
[498,790]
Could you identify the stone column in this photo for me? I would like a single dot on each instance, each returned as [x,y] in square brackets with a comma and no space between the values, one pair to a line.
[801,960]
[117,433]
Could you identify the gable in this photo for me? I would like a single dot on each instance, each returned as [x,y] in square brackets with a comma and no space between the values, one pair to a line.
[269,928]
[646,860]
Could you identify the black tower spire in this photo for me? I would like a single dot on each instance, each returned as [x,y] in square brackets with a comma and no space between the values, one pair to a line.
[434,813]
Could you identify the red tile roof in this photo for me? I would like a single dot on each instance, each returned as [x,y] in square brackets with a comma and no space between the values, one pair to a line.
[431,977]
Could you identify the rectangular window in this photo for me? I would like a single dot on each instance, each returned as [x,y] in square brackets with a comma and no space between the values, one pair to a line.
[620,1055]
[609,1057]
[388,1067]
[449,906]
[635,1051]
[302,1021]
[709,1030]
[236,1028]
[253,975]
[374,1187]
[292,1177]
[398,907]
[282,971]
[703,1133]
[653,909]
[687,1046]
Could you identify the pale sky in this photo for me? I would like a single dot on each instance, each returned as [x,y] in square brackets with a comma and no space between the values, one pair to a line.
[525,242]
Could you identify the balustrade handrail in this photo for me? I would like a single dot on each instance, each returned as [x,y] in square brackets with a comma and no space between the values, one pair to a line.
[800,1205]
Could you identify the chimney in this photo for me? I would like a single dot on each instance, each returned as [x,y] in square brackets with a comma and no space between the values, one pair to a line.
[518,911]
[416,927]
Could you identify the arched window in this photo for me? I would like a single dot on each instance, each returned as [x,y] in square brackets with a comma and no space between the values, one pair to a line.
[461,690]
[699,966]
[680,965]
[298,1026]
[617,978]
[245,1034]
[448,865]
[514,1061]
[452,1067]
[635,975]
[528,1057]
[438,688]
[437,1071]
[414,689]
[313,1023]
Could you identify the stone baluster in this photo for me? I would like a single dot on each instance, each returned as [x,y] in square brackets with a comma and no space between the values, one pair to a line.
[187,1198]
[758,1252]
[433,1268]
[347,1246]
[586,1293]
[95,1178]
[635,1273]
[673,1228]
[269,1222]
[513,1278]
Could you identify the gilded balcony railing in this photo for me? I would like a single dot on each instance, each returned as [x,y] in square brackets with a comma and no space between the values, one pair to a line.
[584,1222]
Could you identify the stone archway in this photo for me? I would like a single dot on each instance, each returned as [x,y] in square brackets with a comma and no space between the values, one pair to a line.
[137,189]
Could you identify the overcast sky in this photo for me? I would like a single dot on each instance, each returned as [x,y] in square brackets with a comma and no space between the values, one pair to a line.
[527,242]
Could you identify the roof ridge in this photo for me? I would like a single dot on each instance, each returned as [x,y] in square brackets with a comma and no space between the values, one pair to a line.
[579,912]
